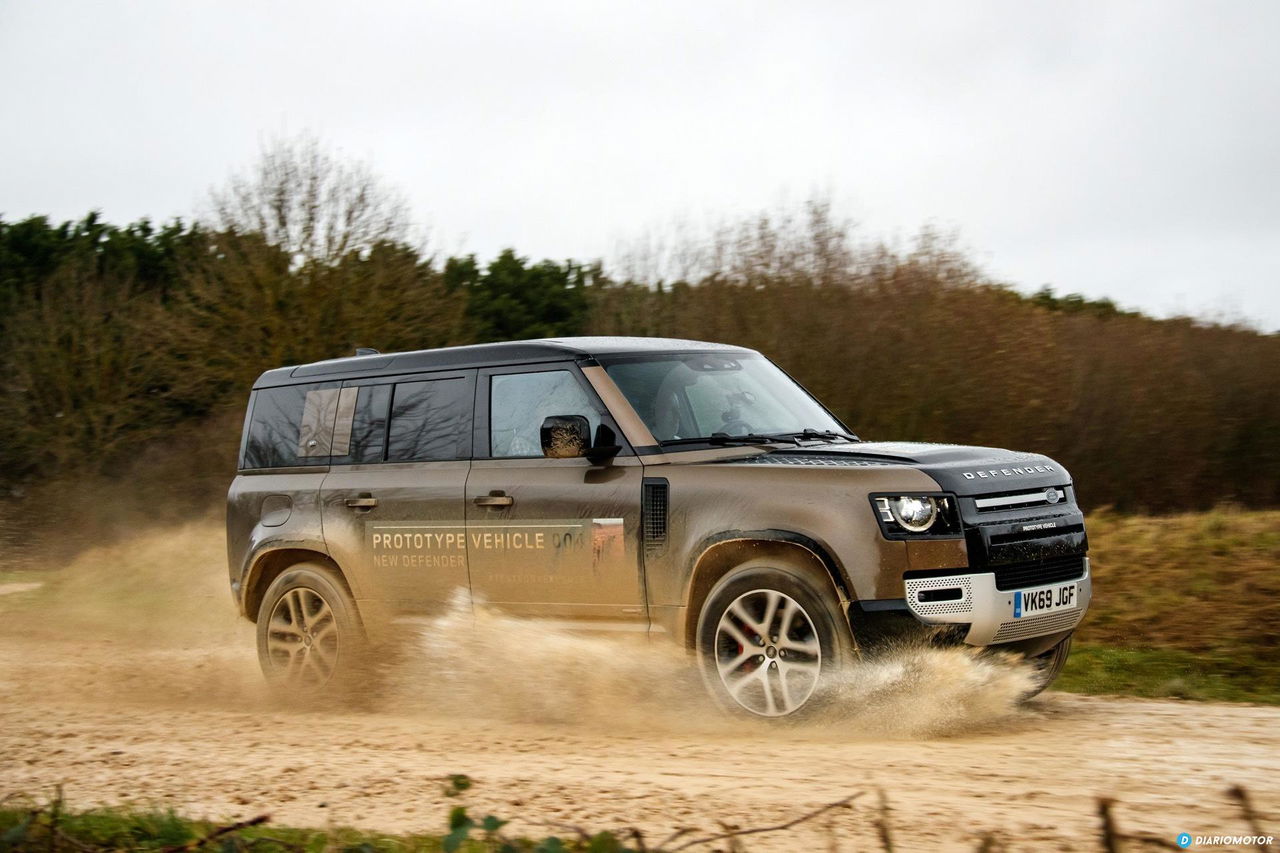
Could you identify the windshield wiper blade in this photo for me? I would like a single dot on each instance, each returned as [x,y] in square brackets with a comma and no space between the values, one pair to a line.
[724,438]
[806,434]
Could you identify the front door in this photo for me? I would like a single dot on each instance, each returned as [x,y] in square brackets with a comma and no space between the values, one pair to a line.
[394,513]
[552,538]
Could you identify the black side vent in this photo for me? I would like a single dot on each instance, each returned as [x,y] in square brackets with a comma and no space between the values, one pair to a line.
[653,515]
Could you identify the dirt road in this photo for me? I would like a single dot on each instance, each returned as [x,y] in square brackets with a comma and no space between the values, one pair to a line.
[126,700]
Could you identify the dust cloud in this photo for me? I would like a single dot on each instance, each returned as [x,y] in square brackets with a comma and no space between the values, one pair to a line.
[473,661]
[149,620]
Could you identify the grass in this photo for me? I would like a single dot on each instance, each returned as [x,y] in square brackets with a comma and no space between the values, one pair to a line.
[49,828]
[1169,674]
[117,829]
[1184,605]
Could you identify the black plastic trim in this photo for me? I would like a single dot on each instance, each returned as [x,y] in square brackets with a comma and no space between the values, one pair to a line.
[655,512]
[882,604]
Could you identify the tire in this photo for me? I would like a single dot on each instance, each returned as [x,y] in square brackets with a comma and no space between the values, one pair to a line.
[1049,665]
[789,616]
[310,640]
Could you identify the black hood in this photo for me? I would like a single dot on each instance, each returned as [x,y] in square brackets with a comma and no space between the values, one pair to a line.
[958,468]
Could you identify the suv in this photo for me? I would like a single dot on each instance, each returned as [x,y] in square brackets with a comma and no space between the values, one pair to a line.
[662,487]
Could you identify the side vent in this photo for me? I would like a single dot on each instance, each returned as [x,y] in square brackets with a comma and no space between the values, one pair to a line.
[653,515]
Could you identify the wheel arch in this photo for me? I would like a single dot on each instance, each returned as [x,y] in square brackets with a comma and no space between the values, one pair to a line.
[271,564]
[719,554]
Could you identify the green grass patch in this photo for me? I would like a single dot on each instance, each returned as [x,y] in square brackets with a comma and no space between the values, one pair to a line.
[1170,673]
[49,828]
[1183,606]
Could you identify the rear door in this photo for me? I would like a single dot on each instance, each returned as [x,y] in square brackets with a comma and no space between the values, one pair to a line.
[393,506]
[552,538]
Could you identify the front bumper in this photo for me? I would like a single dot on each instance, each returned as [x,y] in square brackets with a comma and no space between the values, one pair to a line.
[988,611]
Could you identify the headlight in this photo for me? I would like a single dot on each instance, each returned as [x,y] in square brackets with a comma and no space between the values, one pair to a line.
[904,516]
[915,513]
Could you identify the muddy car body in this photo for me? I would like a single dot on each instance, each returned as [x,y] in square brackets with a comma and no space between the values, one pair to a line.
[668,488]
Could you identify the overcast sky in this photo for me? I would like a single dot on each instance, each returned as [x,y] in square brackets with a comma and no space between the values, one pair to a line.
[1121,149]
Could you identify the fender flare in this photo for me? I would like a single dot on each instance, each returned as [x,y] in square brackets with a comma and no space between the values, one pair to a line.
[261,558]
[695,590]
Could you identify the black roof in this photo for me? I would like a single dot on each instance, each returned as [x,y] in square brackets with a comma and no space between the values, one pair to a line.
[483,355]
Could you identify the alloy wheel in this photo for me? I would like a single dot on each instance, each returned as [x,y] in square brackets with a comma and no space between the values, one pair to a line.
[767,653]
[302,638]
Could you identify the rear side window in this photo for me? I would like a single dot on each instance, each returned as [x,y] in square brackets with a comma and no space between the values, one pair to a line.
[294,425]
[430,421]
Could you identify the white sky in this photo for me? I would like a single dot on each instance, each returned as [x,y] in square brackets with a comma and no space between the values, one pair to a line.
[1121,149]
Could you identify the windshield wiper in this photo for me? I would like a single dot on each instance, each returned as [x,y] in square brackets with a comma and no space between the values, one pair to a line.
[806,434]
[721,438]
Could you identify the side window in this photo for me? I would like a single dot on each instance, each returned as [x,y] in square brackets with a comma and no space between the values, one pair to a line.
[292,426]
[518,403]
[430,420]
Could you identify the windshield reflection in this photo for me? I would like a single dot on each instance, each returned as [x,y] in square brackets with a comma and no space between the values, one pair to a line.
[687,397]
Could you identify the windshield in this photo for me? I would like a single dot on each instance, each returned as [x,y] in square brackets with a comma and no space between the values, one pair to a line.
[691,396]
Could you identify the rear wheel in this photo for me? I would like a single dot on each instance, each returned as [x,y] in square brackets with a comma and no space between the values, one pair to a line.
[309,638]
[1049,665]
[770,640]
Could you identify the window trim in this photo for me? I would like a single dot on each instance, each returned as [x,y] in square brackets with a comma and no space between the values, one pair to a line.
[466,374]
[484,390]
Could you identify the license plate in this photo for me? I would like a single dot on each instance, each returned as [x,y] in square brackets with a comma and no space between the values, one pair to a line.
[1047,599]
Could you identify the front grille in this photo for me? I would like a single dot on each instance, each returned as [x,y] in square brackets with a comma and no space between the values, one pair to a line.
[1037,626]
[1039,572]
[1033,535]
[1020,500]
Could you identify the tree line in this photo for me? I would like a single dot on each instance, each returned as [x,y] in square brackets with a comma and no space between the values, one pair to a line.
[113,336]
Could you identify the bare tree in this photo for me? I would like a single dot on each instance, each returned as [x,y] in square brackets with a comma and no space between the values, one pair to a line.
[306,256]
[303,199]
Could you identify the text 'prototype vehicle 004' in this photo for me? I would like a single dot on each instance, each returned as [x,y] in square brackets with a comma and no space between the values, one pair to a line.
[676,489]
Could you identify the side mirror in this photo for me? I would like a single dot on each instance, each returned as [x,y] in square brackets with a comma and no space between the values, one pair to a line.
[565,436]
[605,447]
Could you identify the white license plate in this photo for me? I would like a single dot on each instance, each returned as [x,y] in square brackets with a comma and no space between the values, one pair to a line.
[1046,599]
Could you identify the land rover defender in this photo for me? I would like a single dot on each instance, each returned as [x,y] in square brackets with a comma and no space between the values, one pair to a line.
[679,489]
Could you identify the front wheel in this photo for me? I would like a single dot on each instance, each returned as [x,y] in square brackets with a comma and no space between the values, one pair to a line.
[770,641]
[309,638]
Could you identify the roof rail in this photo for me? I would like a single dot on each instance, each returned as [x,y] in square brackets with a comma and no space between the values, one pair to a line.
[367,351]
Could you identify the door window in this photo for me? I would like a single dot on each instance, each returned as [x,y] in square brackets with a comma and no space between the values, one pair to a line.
[519,402]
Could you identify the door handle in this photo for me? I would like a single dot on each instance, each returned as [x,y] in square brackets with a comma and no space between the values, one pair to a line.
[362,503]
[494,499]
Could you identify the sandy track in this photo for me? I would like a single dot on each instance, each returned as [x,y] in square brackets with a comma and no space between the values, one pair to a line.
[138,685]
[1033,781]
